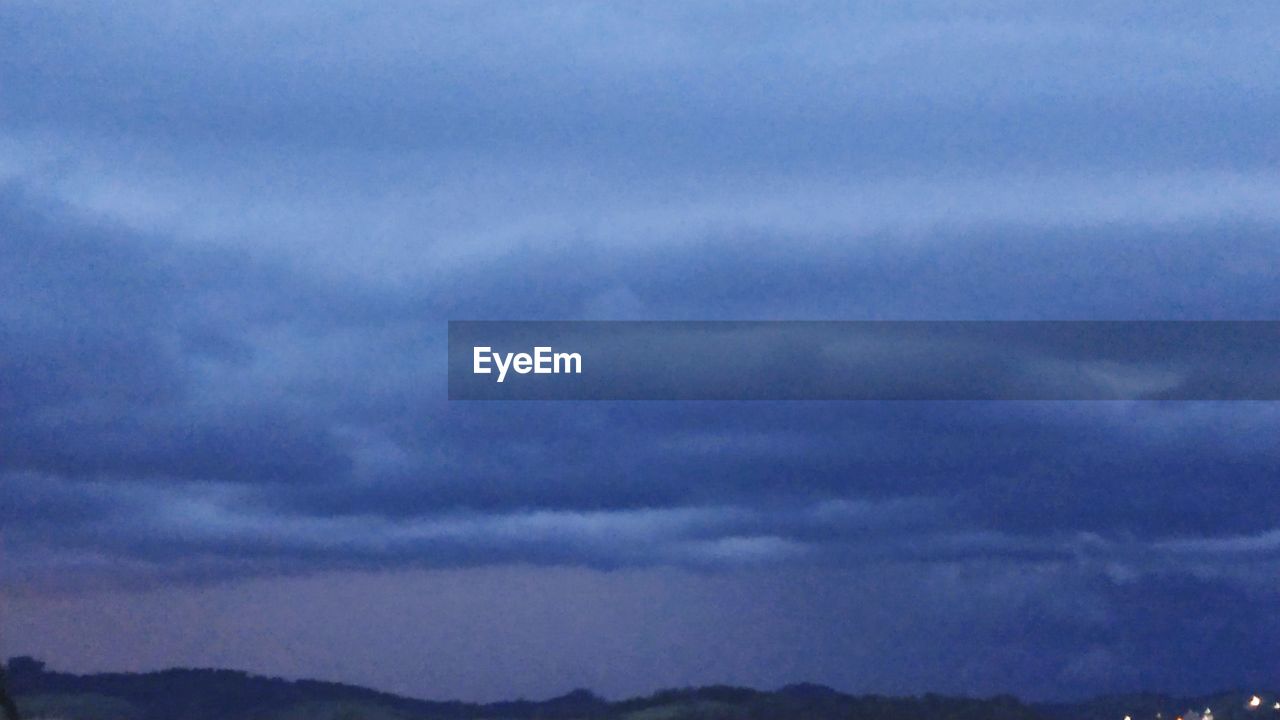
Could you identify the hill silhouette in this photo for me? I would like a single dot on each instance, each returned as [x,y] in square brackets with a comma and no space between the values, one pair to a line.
[209,694]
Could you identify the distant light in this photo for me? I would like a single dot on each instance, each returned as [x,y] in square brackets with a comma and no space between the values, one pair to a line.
[1277,706]
[1255,701]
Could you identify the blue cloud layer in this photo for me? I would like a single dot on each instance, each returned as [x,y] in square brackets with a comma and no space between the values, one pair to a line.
[230,240]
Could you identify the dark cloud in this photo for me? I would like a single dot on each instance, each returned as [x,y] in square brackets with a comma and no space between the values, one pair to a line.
[113,336]
[228,261]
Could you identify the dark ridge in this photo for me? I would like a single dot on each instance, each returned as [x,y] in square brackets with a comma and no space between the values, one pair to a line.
[207,694]
[807,690]
[576,704]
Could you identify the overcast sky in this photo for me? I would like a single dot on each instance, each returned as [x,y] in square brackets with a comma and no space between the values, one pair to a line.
[231,237]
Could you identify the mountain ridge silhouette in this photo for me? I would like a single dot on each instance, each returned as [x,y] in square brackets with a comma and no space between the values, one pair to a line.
[220,694]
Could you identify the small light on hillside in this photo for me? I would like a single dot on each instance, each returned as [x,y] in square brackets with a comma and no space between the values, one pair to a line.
[1255,701]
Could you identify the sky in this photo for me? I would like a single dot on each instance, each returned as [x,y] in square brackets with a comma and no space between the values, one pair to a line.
[231,237]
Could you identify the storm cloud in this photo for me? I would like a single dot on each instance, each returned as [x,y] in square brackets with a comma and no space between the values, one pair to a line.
[230,241]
